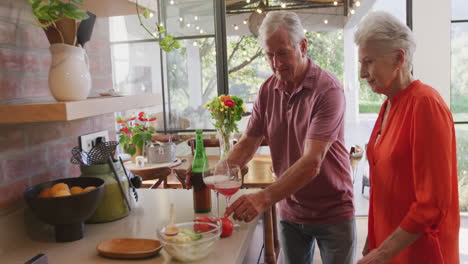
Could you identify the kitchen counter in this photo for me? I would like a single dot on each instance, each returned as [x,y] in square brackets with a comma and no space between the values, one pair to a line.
[151,212]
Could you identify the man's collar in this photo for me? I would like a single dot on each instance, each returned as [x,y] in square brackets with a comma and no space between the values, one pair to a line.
[311,73]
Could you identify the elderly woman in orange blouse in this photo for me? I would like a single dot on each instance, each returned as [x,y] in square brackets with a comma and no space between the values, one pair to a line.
[413,213]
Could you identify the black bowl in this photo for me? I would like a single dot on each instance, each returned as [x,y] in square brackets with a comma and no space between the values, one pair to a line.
[66,213]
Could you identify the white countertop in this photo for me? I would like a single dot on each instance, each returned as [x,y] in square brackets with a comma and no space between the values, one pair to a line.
[151,213]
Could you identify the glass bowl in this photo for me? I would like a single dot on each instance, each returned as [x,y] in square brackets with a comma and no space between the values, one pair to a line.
[184,248]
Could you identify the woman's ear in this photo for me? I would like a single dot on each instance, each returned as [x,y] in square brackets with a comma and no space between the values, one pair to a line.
[400,58]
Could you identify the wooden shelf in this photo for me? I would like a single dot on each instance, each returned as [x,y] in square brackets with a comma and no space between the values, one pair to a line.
[71,110]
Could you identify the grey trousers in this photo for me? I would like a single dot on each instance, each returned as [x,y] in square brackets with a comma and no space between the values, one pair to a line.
[337,242]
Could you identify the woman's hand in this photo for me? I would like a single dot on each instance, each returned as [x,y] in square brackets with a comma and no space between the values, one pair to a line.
[375,256]
[247,207]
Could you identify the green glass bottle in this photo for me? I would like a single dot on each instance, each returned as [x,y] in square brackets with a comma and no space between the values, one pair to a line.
[201,193]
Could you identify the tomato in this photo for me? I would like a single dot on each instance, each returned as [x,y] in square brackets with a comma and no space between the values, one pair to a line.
[199,226]
[227,227]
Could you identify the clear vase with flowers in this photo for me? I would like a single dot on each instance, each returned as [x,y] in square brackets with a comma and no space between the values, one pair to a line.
[226,111]
[135,131]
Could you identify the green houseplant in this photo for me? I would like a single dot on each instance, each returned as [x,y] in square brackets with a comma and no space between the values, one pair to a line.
[135,131]
[52,11]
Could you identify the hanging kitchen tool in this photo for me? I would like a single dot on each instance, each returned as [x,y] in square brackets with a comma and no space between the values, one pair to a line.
[53,34]
[85,30]
[131,181]
[67,27]
[116,175]
[100,153]
[78,157]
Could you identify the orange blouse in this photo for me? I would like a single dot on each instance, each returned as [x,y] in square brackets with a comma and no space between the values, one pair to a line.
[413,174]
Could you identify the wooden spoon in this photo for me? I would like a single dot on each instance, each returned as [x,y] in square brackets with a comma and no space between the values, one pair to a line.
[171,230]
[53,35]
[68,28]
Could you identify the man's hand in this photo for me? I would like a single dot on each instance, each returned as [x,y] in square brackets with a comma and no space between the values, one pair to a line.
[247,207]
[375,256]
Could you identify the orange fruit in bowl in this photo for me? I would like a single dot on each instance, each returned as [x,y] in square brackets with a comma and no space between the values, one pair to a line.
[46,193]
[76,190]
[59,187]
[89,188]
[62,193]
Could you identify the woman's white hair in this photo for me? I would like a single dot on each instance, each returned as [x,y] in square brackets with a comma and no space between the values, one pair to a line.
[274,19]
[389,31]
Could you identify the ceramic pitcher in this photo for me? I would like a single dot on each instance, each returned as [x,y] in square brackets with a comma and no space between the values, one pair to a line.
[69,77]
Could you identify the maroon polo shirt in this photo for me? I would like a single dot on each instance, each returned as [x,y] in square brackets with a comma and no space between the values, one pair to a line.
[313,111]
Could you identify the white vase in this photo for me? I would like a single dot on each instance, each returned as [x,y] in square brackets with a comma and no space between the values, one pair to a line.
[69,77]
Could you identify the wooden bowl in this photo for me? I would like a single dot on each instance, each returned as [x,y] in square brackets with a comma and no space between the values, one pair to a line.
[129,248]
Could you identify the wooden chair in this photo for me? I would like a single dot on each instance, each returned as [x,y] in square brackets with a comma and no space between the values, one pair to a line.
[158,174]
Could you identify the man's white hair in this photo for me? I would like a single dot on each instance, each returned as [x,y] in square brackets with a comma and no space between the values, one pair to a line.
[389,31]
[274,19]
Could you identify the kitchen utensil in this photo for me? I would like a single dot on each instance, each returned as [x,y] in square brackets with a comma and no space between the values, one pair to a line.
[78,157]
[132,186]
[38,259]
[100,153]
[111,164]
[66,213]
[67,27]
[113,205]
[171,229]
[85,30]
[129,248]
[53,34]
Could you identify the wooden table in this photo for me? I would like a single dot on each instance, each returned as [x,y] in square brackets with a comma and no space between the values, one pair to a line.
[150,214]
[258,176]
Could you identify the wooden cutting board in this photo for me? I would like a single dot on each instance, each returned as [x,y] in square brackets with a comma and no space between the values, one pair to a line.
[129,248]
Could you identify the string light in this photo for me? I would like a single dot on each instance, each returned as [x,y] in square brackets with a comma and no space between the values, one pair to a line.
[318,35]
[172,2]
[247,1]
[339,37]
[201,31]
[196,18]
[259,10]
[283,5]
[358,3]
[236,27]
[151,14]
[181,19]
[195,44]
[245,21]
[188,25]
[305,30]
[335,3]
[352,11]
[325,21]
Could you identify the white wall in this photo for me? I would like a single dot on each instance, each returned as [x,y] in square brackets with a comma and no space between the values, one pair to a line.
[431,26]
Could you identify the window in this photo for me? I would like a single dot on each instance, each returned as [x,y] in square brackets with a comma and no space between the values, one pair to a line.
[459,71]
[185,78]
[459,93]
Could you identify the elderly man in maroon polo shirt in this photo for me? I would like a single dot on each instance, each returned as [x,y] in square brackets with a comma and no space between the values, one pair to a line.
[300,111]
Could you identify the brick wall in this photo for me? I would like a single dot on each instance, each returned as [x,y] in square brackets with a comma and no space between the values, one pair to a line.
[38,152]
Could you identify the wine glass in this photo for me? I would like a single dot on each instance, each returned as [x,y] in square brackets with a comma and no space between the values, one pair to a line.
[229,181]
[210,178]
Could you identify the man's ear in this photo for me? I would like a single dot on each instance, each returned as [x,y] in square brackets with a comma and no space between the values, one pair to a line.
[303,46]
